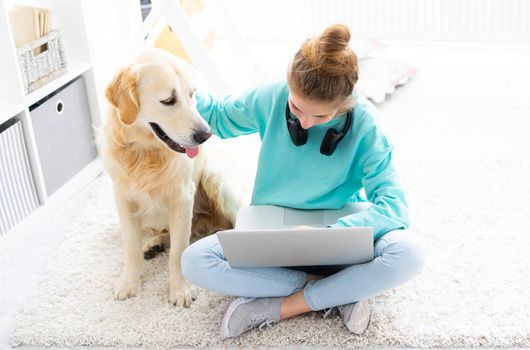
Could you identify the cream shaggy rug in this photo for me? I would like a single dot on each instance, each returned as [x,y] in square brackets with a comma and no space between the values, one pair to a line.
[474,291]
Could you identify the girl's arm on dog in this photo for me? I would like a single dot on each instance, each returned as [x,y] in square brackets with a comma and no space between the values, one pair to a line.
[242,114]
[228,116]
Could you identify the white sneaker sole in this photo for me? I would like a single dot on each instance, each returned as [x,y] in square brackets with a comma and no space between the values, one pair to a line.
[224,331]
[360,318]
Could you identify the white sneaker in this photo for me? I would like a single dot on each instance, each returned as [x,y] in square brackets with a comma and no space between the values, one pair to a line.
[244,314]
[356,316]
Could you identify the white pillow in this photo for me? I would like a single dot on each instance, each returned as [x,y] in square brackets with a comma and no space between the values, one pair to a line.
[378,76]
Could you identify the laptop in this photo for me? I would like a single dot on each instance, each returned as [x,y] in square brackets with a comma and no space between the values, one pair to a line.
[266,236]
[275,217]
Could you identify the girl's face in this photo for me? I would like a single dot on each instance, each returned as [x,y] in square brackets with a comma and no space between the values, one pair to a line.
[312,112]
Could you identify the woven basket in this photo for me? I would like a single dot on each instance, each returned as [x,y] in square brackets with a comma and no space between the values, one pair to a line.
[39,68]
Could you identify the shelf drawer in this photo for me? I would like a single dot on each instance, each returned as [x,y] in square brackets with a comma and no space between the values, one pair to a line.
[63,133]
[18,196]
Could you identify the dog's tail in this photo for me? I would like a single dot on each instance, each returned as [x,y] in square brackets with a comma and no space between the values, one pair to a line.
[224,195]
[217,200]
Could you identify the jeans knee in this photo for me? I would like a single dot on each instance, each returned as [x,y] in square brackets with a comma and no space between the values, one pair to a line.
[414,254]
[198,261]
[407,253]
[419,259]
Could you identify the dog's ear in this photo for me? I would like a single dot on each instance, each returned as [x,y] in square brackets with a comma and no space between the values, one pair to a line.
[122,93]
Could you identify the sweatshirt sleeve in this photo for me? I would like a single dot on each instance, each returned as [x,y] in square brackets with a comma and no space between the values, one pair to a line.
[229,116]
[389,208]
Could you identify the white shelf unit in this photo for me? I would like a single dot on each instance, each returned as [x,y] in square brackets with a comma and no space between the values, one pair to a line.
[98,37]
[9,109]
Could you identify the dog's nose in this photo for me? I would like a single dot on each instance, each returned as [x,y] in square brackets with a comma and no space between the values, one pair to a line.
[201,136]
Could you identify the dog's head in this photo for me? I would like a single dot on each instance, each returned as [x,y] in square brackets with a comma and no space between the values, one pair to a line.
[156,92]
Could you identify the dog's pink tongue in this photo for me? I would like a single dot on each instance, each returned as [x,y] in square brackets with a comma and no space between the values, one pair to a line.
[192,152]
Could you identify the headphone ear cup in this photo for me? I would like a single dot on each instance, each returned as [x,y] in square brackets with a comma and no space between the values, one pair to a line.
[298,134]
[330,142]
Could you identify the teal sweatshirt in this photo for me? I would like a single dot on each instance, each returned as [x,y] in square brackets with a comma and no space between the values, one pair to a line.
[300,176]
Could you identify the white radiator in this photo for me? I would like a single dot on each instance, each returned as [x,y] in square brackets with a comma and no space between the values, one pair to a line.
[484,21]
[475,21]
[18,197]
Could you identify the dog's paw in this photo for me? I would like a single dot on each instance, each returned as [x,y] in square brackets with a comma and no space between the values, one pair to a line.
[153,251]
[183,295]
[126,288]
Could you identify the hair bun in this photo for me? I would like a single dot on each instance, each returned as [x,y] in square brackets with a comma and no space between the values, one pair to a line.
[329,51]
[332,42]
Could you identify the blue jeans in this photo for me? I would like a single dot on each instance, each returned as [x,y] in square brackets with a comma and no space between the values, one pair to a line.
[398,258]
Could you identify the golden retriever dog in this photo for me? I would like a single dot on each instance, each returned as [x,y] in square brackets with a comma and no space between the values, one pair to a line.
[165,185]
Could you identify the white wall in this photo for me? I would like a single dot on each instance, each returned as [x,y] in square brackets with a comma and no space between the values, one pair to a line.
[113,31]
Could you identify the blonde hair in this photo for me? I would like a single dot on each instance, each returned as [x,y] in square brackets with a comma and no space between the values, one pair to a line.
[324,68]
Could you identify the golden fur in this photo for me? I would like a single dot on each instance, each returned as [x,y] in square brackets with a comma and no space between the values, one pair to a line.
[159,192]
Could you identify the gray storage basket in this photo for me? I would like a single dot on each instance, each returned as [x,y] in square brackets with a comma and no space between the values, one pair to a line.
[18,194]
[38,70]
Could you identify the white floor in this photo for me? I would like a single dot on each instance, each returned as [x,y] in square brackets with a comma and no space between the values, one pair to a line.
[463,103]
